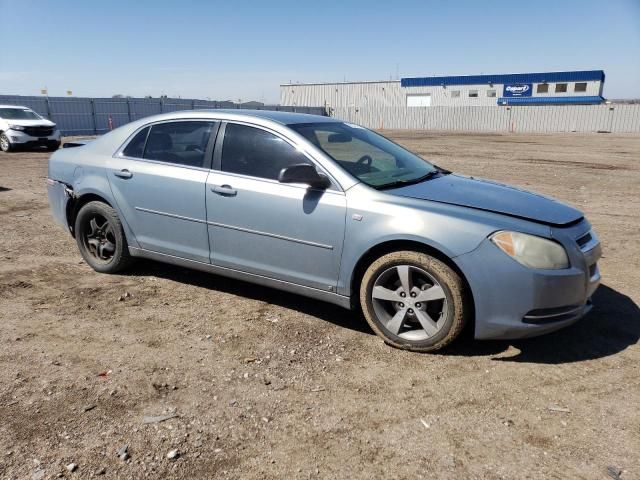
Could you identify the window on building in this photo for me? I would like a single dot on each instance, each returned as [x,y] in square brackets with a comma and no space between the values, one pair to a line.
[419,100]
[542,88]
[491,93]
[473,93]
[580,87]
[257,153]
[455,93]
[182,143]
[561,87]
[135,148]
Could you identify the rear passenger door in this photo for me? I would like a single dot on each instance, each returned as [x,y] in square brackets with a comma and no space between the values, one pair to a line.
[158,180]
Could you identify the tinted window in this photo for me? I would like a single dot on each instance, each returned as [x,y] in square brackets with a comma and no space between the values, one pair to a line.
[561,87]
[580,87]
[254,152]
[135,148]
[183,143]
[543,88]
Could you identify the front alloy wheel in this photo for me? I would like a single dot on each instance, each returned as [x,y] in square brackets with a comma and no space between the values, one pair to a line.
[413,301]
[5,144]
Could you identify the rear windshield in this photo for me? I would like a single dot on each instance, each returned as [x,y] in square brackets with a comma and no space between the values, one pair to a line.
[18,114]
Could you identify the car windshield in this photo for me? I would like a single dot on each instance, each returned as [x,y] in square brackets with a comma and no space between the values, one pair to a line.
[18,114]
[366,155]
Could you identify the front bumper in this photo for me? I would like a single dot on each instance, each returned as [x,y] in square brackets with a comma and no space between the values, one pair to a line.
[21,139]
[513,301]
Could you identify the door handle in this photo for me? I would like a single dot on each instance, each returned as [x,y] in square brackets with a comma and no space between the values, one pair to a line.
[224,190]
[123,173]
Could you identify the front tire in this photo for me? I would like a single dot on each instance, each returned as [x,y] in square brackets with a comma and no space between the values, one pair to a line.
[413,301]
[100,238]
[5,144]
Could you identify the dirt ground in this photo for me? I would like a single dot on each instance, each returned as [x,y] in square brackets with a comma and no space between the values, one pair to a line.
[269,385]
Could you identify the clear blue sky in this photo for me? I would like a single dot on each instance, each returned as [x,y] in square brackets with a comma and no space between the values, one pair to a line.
[244,49]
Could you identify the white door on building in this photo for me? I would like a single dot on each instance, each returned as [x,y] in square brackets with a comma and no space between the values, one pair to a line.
[419,100]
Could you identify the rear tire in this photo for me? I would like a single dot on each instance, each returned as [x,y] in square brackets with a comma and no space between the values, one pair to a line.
[5,144]
[100,238]
[413,301]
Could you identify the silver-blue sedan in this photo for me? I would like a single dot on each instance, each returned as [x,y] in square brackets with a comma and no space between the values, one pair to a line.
[333,211]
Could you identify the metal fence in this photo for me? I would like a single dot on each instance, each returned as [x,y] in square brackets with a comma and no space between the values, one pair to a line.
[90,116]
[614,118]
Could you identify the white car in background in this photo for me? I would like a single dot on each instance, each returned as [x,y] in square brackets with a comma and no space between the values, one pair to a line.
[21,127]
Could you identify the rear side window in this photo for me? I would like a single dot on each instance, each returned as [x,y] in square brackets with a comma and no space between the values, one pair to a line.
[135,149]
[182,143]
[254,152]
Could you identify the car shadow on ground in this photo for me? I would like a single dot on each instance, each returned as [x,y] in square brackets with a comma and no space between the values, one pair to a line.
[4,189]
[612,326]
[322,310]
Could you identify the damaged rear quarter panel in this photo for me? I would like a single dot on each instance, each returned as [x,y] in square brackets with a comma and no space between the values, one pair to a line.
[84,172]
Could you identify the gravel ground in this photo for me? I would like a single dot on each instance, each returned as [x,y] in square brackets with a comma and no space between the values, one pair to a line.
[263,384]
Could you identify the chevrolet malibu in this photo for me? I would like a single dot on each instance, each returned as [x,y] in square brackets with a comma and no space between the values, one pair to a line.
[333,211]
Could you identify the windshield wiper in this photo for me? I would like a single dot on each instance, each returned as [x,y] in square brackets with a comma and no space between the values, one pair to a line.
[402,183]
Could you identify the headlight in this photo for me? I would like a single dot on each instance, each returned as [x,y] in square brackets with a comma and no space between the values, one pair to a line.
[16,127]
[532,251]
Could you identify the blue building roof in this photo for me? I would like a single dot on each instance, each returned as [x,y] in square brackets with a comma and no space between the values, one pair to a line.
[542,77]
[580,100]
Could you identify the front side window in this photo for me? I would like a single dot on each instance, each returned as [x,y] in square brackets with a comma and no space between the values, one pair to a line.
[19,114]
[182,143]
[257,153]
[561,87]
[369,157]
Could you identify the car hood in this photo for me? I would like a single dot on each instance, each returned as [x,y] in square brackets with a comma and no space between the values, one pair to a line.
[31,123]
[491,196]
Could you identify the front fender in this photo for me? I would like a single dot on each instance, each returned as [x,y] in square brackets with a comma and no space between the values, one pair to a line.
[375,217]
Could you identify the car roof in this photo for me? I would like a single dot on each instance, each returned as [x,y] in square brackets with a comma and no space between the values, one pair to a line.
[284,118]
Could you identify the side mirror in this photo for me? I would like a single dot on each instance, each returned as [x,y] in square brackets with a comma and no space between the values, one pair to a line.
[304,173]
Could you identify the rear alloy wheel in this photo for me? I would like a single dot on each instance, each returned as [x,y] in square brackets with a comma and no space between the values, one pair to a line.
[413,301]
[5,144]
[100,238]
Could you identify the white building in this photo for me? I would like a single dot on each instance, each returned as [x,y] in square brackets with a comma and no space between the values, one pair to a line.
[555,88]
